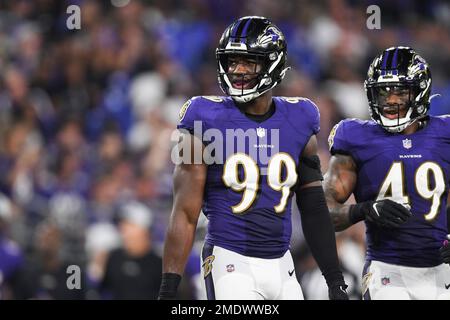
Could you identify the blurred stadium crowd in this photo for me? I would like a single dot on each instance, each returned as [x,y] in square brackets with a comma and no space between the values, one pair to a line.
[86,118]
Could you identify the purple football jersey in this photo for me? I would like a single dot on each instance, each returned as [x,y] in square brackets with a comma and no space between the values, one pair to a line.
[409,169]
[248,191]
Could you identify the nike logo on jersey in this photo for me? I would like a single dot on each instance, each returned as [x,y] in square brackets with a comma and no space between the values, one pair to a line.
[447,286]
[292,272]
[375,208]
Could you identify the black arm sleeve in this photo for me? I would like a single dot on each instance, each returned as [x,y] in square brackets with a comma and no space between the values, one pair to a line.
[319,233]
[309,170]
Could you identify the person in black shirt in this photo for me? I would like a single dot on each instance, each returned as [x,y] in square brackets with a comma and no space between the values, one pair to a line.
[133,271]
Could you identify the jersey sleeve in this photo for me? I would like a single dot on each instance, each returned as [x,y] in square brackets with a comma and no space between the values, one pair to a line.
[337,140]
[188,115]
[444,134]
[445,124]
[312,112]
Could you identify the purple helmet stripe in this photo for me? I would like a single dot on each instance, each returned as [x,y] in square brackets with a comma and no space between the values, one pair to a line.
[235,28]
[244,31]
[394,60]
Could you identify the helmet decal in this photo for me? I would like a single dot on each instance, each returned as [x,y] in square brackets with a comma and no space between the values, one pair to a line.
[271,35]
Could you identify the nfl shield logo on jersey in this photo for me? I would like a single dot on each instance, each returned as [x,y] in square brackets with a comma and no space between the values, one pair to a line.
[385,281]
[230,268]
[407,144]
[260,132]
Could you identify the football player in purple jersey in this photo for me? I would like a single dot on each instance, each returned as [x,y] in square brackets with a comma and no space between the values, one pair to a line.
[246,196]
[397,166]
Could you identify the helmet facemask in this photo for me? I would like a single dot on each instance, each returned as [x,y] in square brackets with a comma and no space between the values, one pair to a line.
[244,87]
[394,105]
[398,87]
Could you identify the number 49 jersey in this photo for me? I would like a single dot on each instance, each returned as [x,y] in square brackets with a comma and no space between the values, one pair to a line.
[409,169]
[250,183]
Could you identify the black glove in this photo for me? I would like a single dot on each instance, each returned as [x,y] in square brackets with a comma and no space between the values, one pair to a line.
[338,292]
[445,250]
[169,286]
[384,213]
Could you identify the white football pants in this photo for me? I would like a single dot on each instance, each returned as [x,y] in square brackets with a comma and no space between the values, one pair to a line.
[231,276]
[382,281]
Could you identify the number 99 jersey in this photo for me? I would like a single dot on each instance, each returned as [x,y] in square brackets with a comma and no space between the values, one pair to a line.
[409,169]
[250,183]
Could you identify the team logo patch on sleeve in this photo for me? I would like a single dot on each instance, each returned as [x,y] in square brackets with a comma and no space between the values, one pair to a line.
[331,136]
[184,109]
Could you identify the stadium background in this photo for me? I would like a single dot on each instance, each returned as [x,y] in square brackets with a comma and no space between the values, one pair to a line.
[86,118]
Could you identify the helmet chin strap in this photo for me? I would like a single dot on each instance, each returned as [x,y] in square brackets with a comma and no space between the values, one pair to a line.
[395,126]
[246,98]
[401,127]
[249,97]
